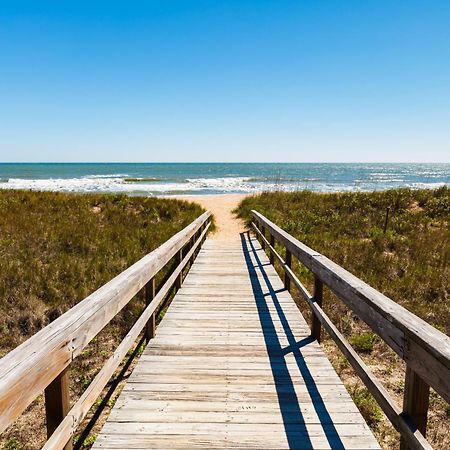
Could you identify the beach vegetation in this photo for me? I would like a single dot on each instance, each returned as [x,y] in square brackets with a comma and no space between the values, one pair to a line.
[13,444]
[363,342]
[409,262]
[56,249]
[366,404]
[398,241]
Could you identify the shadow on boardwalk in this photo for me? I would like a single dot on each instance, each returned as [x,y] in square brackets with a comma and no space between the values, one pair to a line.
[293,420]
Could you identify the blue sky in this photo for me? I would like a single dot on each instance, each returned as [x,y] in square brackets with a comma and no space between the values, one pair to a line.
[179,80]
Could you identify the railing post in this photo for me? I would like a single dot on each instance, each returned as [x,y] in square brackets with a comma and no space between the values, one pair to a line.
[200,231]
[204,237]
[288,261]
[415,402]
[193,239]
[272,243]
[318,298]
[195,253]
[57,403]
[257,225]
[263,233]
[179,279]
[150,292]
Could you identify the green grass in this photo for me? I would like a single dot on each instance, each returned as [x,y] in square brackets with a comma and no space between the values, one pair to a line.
[88,442]
[55,249]
[363,342]
[409,263]
[367,405]
[13,444]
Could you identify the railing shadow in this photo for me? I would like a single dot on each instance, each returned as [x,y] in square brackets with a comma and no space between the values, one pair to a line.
[294,423]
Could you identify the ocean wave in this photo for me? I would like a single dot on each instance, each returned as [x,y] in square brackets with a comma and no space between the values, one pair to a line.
[222,182]
[112,175]
[159,186]
[145,179]
[85,184]
[427,185]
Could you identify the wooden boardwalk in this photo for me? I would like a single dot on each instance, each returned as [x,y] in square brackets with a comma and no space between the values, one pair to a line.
[232,366]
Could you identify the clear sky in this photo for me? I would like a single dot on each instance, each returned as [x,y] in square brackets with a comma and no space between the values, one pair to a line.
[179,80]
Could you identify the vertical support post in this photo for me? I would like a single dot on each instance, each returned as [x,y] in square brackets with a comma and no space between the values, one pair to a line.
[150,292]
[57,403]
[194,255]
[263,231]
[193,239]
[179,279]
[200,231]
[415,402]
[318,298]
[288,261]
[272,256]
[256,223]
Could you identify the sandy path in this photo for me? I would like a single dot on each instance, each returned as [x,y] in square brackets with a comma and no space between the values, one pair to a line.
[221,205]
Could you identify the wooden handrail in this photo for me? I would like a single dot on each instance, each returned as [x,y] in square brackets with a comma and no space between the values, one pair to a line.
[425,350]
[34,365]
[75,416]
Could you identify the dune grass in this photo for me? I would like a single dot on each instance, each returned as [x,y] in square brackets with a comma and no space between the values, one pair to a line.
[408,262]
[55,249]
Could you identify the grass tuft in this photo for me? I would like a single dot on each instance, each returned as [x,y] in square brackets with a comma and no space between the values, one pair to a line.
[367,405]
[363,342]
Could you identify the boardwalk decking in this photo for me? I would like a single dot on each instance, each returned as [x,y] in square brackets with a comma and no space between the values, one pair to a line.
[232,366]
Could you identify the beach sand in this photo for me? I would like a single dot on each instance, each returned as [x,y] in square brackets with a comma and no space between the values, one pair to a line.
[221,205]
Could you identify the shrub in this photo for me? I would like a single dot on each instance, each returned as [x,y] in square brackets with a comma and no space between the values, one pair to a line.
[367,405]
[363,342]
[13,444]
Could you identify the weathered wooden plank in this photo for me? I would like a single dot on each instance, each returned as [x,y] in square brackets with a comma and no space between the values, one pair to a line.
[255,390]
[233,366]
[287,417]
[237,429]
[211,435]
[292,405]
[62,434]
[187,442]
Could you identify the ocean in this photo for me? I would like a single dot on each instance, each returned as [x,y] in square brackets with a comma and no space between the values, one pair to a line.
[219,178]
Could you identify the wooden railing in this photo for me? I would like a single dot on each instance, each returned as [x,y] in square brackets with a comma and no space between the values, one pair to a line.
[41,363]
[425,350]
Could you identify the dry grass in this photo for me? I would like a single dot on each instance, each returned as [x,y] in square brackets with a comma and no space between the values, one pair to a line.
[409,263]
[55,249]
